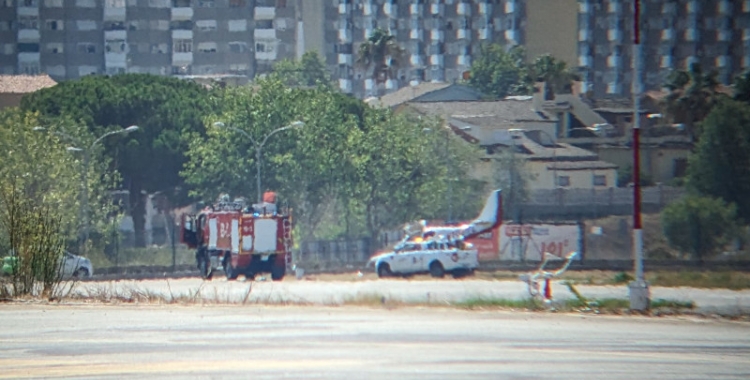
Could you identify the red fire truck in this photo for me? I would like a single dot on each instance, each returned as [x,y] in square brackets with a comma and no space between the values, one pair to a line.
[239,239]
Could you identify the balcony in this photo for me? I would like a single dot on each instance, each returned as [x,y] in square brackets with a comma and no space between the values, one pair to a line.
[667,34]
[344,9]
[415,34]
[585,61]
[510,35]
[436,35]
[583,35]
[437,60]
[666,62]
[367,9]
[723,35]
[690,34]
[28,35]
[115,35]
[28,11]
[463,9]
[115,59]
[391,84]
[510,6]
[182,13]
[114,14]
[416,60]
[415,9]
[463,60]
[346,59]
[614,35]
[265,13]
[462,34]
[345,35]
[614,61]
[182,34]
[345,85]
[182,59]
[264,34]
[436,9]
[389,9]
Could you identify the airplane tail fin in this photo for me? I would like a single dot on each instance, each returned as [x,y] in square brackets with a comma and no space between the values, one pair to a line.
[490,218]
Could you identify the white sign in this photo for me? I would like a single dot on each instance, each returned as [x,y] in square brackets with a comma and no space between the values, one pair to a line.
[528,241]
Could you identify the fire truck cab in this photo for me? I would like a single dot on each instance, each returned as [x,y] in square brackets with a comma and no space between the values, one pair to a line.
[238,239]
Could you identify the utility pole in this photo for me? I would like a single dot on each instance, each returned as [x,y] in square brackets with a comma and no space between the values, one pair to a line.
[639,291]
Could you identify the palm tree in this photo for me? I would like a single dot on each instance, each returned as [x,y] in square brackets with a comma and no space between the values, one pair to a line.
[692,95]
[555,74]
[382,54]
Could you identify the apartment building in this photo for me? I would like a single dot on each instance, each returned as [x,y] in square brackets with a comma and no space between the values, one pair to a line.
[72,38]
[675,34]
[439,36]
[594,37]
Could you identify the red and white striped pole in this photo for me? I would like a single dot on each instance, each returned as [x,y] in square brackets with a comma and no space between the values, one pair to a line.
[639,292]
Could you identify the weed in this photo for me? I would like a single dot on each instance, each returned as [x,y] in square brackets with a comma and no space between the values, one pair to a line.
[622,278]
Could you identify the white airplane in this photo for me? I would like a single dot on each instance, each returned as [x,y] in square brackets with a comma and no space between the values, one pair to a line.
[439,249]
[490,218]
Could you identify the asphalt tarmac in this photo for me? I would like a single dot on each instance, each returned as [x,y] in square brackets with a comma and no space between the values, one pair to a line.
[312,342]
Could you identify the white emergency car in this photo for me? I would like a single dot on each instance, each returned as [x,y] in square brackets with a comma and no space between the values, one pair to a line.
[434,257]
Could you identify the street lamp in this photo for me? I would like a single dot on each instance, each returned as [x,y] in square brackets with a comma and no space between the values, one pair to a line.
[259,146]
[83,210]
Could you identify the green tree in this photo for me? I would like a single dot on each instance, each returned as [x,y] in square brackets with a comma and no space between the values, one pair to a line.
[309,71]
[41,168]
[720,165]
[692,96]
[699,225]
[165,109]
[382,54]
[501,73]
[555,74]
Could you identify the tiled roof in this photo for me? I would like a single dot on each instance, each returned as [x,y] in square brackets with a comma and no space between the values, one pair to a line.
[485,113]
[24,84]
[405,94]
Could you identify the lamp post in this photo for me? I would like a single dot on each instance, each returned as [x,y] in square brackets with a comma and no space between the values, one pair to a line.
[259,146]
[84,208]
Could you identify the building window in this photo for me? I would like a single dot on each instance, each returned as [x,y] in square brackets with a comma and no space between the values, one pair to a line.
[28,22]
[237,47]
[563,181]
[181,70]
[55,24]
[30,3]
[679,168]
[600,180]
[206,3]
[236,3]
[207,47]
[182,46]
[28,48]
[116,46]
[206,25]
[86,47]
[55,48]
[29,68]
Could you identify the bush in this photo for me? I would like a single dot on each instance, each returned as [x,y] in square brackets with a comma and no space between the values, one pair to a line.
[699,225]
[33,235]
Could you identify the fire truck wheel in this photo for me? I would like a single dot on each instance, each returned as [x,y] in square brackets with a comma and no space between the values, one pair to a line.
[230,271]
[278,272]
[204,266]
[436,269]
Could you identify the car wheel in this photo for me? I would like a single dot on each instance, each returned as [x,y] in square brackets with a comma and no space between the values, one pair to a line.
[436,269]
[384,270]
[81,273]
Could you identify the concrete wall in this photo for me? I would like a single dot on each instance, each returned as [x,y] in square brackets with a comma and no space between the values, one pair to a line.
[657,162]
[552,27]
[544,178]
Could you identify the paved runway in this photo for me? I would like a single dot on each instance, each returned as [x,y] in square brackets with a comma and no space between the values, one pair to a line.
[420,291]
[273,342]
